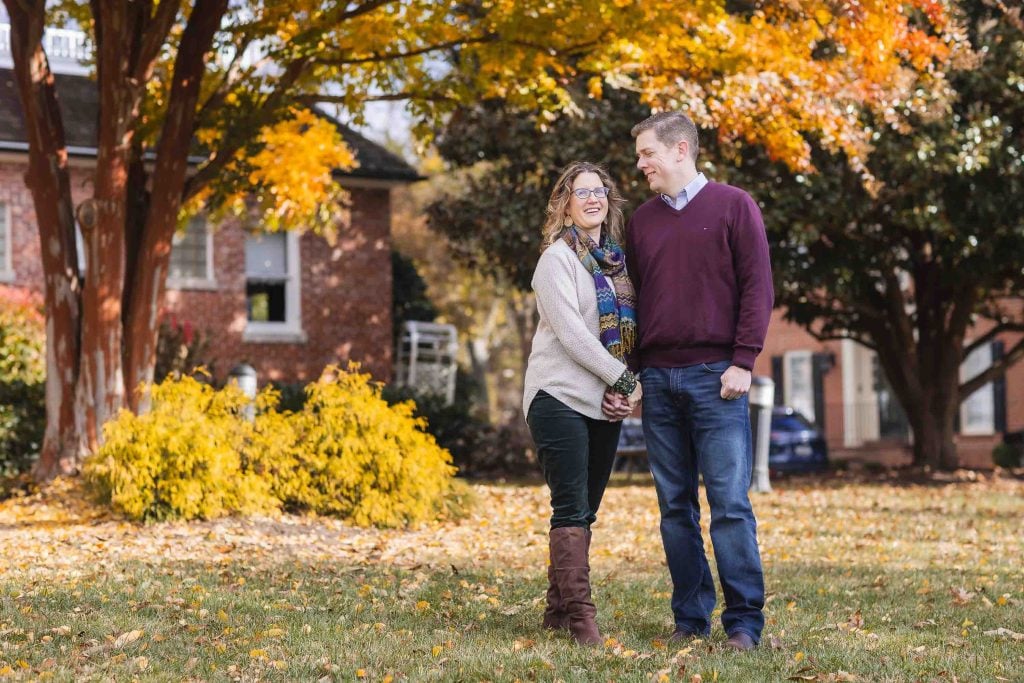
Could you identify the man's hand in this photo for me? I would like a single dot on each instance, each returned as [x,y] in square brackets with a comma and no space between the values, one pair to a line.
[735,382]
[615,406]
[634,398]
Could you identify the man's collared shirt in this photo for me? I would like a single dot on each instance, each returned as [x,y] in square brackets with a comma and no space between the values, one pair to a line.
[687,194]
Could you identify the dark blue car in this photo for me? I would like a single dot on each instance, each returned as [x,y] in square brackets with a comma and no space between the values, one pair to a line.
[795,445]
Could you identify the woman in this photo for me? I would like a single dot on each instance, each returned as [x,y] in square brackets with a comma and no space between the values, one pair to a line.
[587,326]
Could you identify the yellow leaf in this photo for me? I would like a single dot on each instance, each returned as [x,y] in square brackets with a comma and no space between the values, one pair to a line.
[422,606]
[127,638]
[258,654]
[436,650]
[360,673]
[798,656]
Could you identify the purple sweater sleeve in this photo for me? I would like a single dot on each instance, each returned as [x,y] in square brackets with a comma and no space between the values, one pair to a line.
[754,280]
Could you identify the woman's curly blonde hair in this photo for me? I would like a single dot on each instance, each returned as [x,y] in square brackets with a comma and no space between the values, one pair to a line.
[558,204]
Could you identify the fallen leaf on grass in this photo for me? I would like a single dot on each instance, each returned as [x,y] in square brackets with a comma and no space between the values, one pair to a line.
[523,644]
[961,596]
[127,638]
[1004,633]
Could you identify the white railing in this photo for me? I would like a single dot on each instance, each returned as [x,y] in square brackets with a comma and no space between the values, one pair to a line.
[69,51]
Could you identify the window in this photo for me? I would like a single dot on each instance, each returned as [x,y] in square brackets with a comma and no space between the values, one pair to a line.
[977,412]
[798,382]
[6,268]
[272,285]
[192,257]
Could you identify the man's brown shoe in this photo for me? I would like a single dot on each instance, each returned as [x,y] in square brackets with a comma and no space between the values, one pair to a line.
[680,637]
[740,641]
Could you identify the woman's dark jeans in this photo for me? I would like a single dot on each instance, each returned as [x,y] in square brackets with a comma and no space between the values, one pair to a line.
[576,454]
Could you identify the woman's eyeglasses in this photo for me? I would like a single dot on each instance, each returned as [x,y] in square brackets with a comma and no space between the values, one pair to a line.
[585,192]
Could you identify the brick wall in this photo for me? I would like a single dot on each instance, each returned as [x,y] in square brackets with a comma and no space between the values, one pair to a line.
[346,288]
[975,451]
[784,336]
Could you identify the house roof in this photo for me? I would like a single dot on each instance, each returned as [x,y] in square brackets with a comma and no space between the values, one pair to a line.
[79,103]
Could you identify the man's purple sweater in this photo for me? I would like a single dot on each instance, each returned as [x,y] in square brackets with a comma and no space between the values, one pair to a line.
[703,279]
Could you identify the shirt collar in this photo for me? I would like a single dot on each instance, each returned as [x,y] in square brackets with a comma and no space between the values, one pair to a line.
[687,194]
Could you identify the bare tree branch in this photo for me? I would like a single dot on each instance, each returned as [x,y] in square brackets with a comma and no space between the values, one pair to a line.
[154,36]
[992,334]
[997,369]
[390,97]
[388,57]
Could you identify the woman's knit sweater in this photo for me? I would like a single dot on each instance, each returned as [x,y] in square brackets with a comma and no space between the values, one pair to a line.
[568,360]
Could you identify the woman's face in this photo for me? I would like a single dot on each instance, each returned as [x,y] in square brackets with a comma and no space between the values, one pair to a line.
[588,213]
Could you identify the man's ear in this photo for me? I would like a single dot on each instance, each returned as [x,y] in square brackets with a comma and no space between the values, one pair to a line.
[683,148]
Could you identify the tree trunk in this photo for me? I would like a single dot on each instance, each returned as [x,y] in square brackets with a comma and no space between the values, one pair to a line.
[152,261]
[48,181]
[933,441]
[931,406]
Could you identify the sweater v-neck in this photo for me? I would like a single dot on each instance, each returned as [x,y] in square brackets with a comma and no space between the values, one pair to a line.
[689,203]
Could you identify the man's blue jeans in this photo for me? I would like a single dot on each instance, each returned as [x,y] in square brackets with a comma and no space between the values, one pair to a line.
[690,431]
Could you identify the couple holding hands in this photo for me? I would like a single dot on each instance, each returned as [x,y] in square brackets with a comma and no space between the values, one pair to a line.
[672,308]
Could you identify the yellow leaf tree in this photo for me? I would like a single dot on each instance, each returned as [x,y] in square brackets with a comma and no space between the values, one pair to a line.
[231,84]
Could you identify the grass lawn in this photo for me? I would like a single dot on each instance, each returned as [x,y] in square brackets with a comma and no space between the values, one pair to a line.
[868,580]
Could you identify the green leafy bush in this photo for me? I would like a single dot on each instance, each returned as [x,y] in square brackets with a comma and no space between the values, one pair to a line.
[22,379]
[1008,455]
[181,349]
[478,448]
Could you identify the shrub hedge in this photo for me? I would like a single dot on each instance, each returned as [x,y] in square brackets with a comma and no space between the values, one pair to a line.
[346,453]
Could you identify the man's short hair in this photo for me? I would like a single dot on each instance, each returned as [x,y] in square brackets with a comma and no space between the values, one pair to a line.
[669,128]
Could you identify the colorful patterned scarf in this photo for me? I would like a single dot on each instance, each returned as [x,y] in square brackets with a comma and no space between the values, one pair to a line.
[616,310]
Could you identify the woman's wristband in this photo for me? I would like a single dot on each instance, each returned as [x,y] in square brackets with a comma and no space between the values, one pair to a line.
[625,384]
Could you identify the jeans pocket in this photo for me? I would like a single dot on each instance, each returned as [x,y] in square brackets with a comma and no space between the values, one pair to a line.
[718,367]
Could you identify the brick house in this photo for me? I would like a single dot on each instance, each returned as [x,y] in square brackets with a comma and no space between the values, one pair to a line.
[287,304]
[838,385]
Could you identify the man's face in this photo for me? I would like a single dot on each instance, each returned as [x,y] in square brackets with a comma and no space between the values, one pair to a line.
[661,164]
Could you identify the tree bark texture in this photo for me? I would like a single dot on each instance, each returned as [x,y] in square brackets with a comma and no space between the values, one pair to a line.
[102,325]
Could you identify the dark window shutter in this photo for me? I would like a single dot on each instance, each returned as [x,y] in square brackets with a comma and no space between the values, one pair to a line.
[820,364]
[777,377]
[999,390]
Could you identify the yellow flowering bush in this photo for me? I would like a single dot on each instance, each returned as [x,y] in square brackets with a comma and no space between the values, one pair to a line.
[182,459]
[361,459]
[347,453]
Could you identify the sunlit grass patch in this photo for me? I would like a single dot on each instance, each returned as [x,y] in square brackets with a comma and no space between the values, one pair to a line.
[866,581]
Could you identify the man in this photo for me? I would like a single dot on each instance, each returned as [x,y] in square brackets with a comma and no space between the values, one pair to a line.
[698,256]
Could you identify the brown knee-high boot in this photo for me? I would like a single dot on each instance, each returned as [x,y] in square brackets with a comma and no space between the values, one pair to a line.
[555,617]
[572,576]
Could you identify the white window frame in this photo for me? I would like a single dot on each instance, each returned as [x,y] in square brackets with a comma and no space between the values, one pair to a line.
[984,398]
[802,403]
[7,258]
[290,330]
[202,283]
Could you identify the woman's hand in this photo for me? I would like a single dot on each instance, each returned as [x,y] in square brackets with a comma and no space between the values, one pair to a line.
[615,406]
